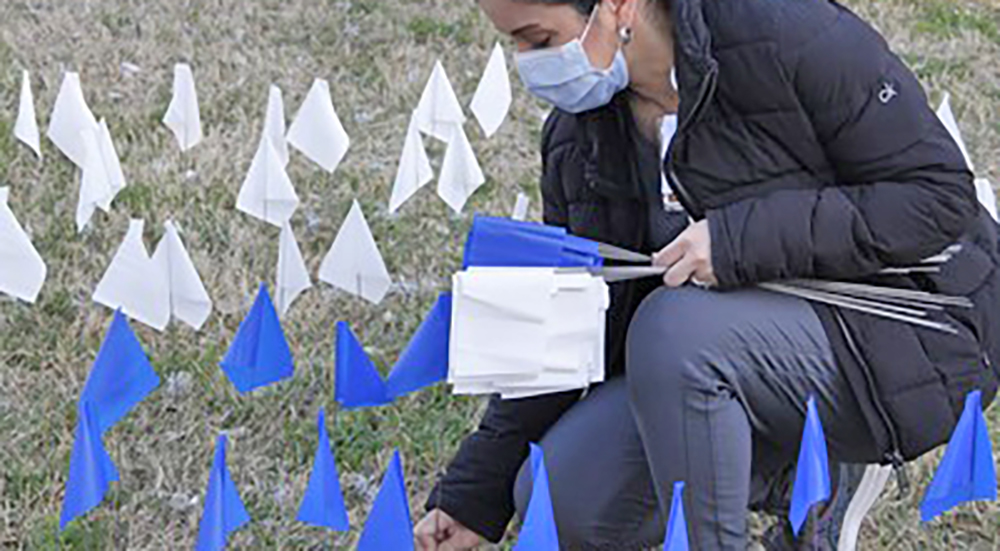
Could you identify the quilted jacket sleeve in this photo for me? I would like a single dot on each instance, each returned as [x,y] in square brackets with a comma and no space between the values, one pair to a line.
[477,489]
[902,190]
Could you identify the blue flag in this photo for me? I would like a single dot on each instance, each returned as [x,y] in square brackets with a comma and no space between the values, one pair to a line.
[677,531]
[425,360]
[389,526]
[323,503]
[224,511]
[90,469]
[358,381]
[121,376]
[967,471]
[812,473]
[538,533]
[259,355]
[507,242]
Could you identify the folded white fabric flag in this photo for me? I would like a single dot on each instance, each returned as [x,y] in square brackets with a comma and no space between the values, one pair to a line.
[71,117]
[317,131]
[293,276]
[492,100]
[947,117]
[354,262]
[26,126]
[274,123]
[134,283]
[183,117]
[523,332]
[414,170]
[22,270]
[188,299]
[267,192]
[439,113]
[101,178]
[461,174]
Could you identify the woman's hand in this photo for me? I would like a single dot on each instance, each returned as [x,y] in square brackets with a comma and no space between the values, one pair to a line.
[439,532]
[688,258]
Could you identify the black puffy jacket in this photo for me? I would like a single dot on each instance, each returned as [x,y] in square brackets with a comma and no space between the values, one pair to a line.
[811,150]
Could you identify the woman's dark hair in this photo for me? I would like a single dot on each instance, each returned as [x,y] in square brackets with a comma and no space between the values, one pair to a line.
[587,6]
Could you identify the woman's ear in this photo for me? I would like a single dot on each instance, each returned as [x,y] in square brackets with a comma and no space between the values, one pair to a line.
[627,11]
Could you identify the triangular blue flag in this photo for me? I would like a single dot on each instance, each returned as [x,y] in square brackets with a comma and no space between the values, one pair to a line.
[259,355]
[224,512]
[967,471]
[358,381]
[121,376]
[812,473]
[425,360]
[389,526]
[677,531]
[323,503]
[90,469]
[538,533]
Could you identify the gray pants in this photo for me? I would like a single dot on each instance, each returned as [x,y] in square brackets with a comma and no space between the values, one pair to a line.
[714,395]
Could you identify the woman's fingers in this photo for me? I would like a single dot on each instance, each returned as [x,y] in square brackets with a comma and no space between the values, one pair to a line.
[671,254]
[681,272]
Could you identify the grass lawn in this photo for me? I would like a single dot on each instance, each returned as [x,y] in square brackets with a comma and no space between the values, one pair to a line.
[376,55]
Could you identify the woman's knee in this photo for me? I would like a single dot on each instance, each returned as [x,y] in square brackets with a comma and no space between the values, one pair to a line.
[660,341]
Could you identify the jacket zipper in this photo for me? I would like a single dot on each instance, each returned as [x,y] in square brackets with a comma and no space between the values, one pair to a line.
[894,456]
[708,87]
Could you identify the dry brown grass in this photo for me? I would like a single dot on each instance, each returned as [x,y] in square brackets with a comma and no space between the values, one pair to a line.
[376,55]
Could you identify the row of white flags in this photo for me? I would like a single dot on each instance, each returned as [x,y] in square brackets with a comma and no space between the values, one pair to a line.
[316,131]
[523,332]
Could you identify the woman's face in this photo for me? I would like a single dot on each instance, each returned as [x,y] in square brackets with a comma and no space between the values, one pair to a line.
[535,25]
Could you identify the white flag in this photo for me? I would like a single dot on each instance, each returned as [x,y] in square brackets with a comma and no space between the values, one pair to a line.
[492,100]
[95,183]
[267,192]
[317,131]
[354,262]
[293,276]
[947,117]
[274,123]
[460,175]
[414,170]
[439,113]
[112,165]
[135,284]
[22,270]
[26,127]
[71,117]
[188,299]
[182,116]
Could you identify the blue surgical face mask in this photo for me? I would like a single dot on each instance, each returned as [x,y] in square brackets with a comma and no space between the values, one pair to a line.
[565,77]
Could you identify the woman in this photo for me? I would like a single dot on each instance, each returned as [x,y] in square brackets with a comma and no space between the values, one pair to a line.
[803,148]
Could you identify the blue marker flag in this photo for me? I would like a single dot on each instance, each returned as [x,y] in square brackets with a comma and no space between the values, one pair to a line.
[389,526]
[121,376]
[538,533]
[224,511]
[323,503]
[358,381]
[812,473]
[90,469]
[677,532]
[967,471]
[425,360]
[259,355]
[507,242]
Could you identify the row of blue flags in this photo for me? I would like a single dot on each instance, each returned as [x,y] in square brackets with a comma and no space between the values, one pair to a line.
[122,376]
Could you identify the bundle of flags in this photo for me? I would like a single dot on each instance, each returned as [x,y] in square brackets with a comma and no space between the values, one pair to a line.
[504,242]
[524,332]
